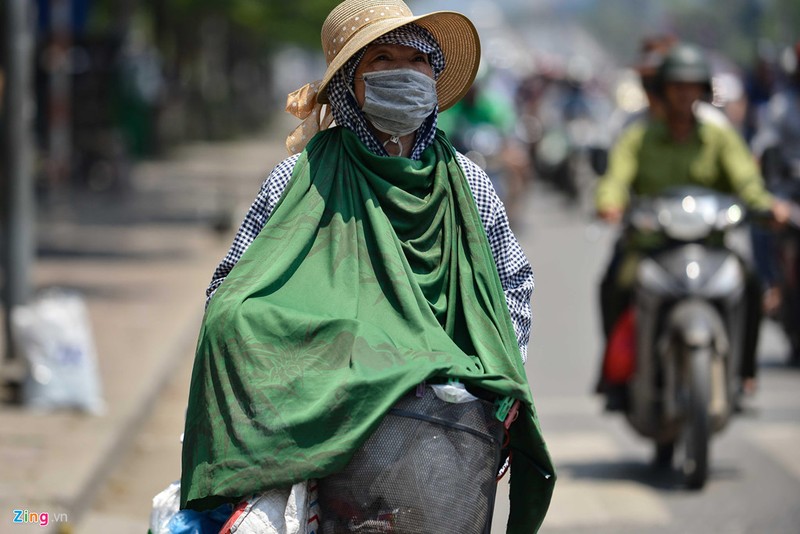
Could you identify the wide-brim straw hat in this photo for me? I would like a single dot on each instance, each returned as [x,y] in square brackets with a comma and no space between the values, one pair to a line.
[354,24]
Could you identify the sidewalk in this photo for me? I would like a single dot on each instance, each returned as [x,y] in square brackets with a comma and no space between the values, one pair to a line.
[142,262]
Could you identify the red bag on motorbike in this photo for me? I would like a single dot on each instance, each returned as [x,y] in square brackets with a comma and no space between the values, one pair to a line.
[619,360]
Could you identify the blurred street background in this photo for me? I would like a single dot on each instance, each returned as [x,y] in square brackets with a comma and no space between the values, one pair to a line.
[135,134]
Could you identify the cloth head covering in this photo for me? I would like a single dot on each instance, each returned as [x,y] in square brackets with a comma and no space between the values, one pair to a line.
[353,25]
[345,108]
[342,106]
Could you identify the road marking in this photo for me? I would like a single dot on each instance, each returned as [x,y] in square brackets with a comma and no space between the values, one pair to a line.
[590,503]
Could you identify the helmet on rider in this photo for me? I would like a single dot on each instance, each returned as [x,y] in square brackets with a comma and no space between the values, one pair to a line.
[685,63]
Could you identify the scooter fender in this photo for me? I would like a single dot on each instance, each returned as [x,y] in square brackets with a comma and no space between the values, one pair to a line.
[694,323]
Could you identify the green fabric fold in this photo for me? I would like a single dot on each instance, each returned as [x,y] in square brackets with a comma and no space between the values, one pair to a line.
[372,275]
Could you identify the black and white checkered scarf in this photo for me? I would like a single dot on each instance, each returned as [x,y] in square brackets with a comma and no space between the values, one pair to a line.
[345,108]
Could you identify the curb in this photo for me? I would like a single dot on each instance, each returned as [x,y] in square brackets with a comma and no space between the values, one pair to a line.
[130,424]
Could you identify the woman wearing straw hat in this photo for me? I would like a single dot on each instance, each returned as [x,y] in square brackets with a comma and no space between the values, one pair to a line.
[374,260]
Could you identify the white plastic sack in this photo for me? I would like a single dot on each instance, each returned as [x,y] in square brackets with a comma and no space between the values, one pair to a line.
[281,511]
[278,511]
[54,337]
[165,505]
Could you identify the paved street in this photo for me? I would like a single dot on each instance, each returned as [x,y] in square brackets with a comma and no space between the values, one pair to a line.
[605,482]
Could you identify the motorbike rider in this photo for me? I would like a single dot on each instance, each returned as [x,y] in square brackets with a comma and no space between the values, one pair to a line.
[677,148]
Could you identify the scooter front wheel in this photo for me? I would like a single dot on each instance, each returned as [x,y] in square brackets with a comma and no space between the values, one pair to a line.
[697,423]
[663,455]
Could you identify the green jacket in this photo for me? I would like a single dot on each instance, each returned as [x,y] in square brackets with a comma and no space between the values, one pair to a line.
[647,161]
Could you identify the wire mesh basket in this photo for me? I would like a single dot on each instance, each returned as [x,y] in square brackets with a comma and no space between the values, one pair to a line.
[430,467]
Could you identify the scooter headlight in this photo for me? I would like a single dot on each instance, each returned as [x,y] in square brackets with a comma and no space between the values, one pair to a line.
[689,218]
[730,217]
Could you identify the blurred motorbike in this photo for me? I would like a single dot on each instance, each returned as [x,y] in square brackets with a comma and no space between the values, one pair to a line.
[555,157]
[561,158]
[688,324]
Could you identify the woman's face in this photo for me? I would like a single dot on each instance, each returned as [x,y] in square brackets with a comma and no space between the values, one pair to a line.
[389,57]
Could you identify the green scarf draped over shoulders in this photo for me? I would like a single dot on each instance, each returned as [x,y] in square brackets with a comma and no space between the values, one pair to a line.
[372,275]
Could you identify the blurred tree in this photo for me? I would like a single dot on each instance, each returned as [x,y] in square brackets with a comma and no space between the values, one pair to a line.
[267,23]
[781,23]
[215,56]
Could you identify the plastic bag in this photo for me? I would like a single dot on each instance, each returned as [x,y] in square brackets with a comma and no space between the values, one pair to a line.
[277,511]
[54,337]
[166,517]
[454,392]
[294,510]
[205,522]
[619,362]
[165,505]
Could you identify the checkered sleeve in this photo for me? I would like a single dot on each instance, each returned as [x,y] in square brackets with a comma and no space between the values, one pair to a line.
[255,219]
[516,274]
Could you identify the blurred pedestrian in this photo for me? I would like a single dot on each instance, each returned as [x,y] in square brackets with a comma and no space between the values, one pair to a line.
[780,125]
[777,145]
[374,260]
[759,86]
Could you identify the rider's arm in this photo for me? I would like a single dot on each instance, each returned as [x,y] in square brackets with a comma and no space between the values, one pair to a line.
[613,189]
[741,168]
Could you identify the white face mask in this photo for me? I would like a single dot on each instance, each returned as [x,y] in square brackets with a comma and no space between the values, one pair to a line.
[398,101]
